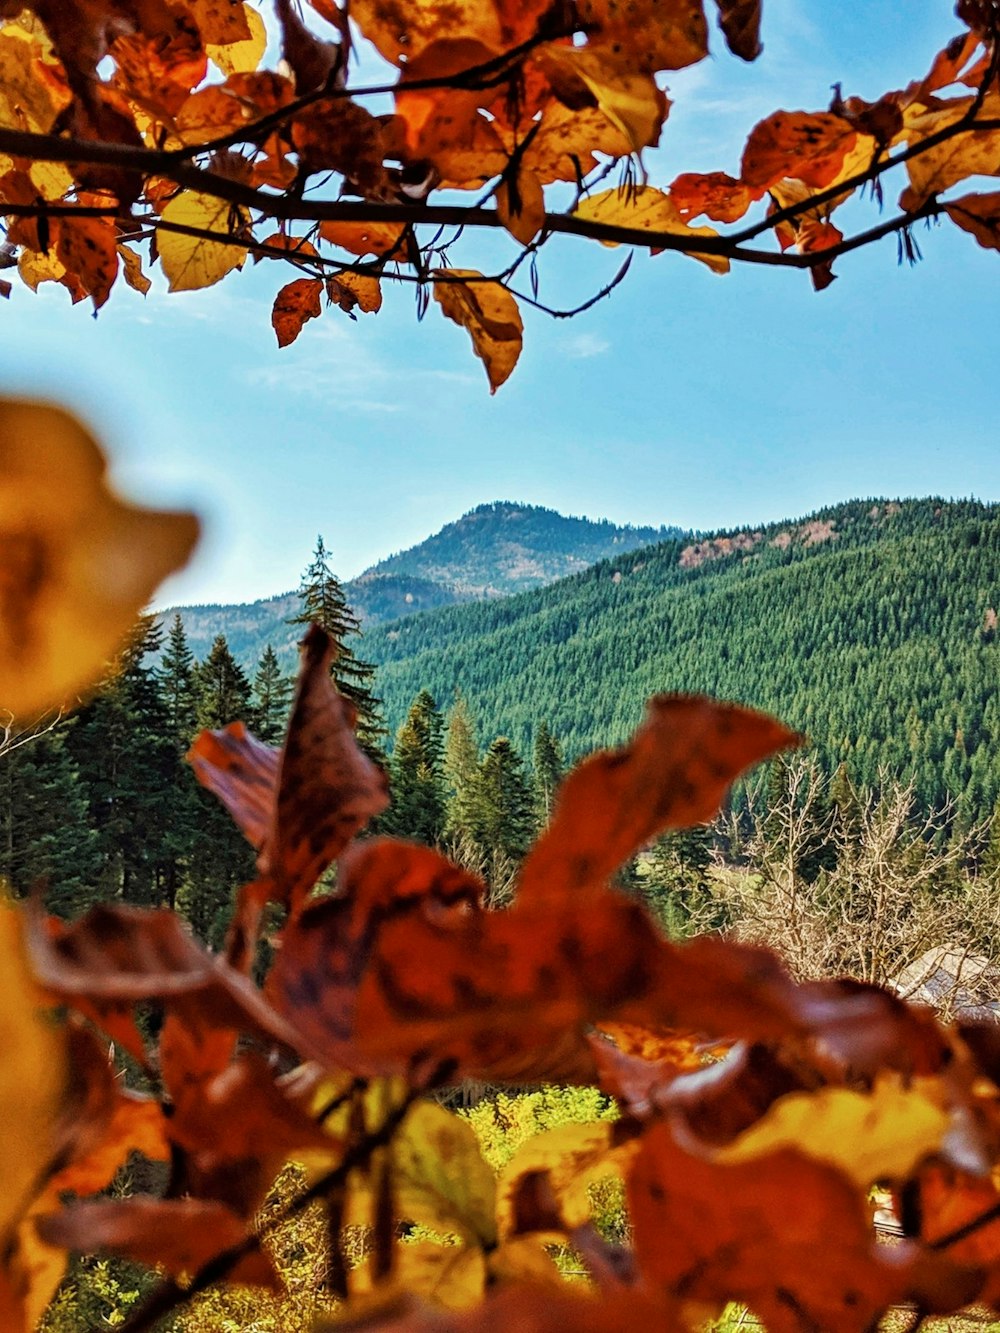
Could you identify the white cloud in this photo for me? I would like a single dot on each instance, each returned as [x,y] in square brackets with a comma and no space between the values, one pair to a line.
[583,346]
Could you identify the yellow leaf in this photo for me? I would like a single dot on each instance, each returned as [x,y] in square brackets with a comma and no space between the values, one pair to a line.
[244,55]
[36,268]
[450,1276]
[656,35]
[529,218]
[440,1177]
[647,210]
[629,99]
[33,1074]
[52,180]
[132,266]
[27,102]
[356,289]
[947,163]
[191,262]
[523,1259]
[490,314]
[77,563]
[221,21]
[574,1156]
[876,1136]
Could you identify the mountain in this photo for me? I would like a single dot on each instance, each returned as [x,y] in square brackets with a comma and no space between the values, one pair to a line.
[492,551]
[871,626]
[502,548]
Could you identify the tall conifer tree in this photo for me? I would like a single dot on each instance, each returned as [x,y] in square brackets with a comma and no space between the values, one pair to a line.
[323,603]
[417,778]
[503,820]
[272,693]
[547,772]
[461,770]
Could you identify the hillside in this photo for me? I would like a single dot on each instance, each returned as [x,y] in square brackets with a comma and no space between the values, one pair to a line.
[492,551]
[869,625]
[501,548]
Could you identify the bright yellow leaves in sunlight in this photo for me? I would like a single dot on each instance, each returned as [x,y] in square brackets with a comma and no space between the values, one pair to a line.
[490,314]
[77,564]
[190,261]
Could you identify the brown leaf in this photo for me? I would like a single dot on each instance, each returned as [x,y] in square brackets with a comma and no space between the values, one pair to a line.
[521,206]
[355,291]
[740,23]
[490,314]
[132,268]
[179,1235]
[220,22]
[979,215]
[295,304]
[323,789]
[673,773]
[88,247]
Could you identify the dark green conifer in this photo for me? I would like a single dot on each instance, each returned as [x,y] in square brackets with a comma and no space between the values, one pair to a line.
[416,775]
[323,603]
[504,815]
[272,693]
[223,691]
[461,771]
[547,772]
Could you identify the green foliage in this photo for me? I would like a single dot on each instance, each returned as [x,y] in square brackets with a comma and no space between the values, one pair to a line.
[322,602]
[504,1121]
[272,694]
[417,775]
[873,641]
[97,1294]
[546,772]
[502,818]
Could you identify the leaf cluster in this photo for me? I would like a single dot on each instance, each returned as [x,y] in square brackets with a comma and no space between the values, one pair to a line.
[173,129]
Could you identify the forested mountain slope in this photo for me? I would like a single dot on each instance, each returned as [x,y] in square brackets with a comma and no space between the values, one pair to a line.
[492,551]
[870,625]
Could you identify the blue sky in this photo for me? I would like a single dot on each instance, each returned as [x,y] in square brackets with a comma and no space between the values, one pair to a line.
[685,398]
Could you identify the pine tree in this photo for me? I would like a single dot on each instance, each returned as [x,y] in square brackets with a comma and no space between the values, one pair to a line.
[461,770]
[503,816]
[677,880]
[45,835]
[126,761]
[272,693]
[223,691]
[178,690]
[220,859]
[323,603]
[547,772]
[177,685]
[417,778]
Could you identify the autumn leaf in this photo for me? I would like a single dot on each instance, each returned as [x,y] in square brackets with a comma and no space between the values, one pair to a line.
[88,248]
[192,262]
[299,808]
[673,773]
[572,1157]
[650,210]
[352,291]
[490,314]
[365,238]
[717,195]
[740,23]
[176,1234]
[440,1177]
[132,269]
[521,206]
[979,215]
[295,304]
[938,168]
[78,562]
[656,36]
[631,101]
[809,147]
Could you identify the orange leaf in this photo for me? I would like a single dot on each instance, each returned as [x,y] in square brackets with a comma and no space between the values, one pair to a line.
[752,1232]
[179,1235]
[490,314]
[715,194]
[808,147]
[366,238]
[522,206]
[88,248]
[656,36]
[301,808]
[673,773]
[979,215]
[295,304]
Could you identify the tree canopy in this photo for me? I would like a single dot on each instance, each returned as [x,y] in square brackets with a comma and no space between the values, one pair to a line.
[194,136]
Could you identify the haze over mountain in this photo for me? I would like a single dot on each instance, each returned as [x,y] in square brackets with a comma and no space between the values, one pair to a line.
[493,551]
